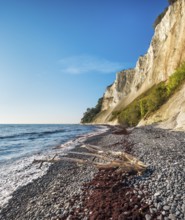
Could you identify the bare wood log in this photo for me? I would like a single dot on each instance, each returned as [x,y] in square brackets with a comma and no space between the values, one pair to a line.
[120,154]
[83,161]
[93,148]
[43,161]
[73,160]
[124,166]
[60,159]
[52,160]
[54,156]
[91,154]
[115,159]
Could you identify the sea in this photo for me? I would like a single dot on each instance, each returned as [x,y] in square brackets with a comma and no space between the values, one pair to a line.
[21,144]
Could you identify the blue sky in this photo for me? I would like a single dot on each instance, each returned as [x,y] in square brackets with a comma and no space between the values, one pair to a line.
[58,56]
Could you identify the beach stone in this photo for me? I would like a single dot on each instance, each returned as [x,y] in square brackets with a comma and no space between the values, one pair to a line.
[157,194]
[148,217]
[183,208]
[172,217]
[177,213]
[61,184]
[160,217]
[159,206]
[166,208]
[150,202]
[126,213]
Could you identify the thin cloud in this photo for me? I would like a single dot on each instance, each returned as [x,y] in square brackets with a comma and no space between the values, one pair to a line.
[88,64]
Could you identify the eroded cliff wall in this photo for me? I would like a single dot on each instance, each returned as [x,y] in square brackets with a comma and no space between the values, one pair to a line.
[166,52]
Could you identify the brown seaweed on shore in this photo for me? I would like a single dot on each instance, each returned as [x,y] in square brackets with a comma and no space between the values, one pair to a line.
[110,196]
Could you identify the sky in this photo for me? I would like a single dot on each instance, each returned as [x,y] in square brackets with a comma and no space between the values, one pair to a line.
[58,56]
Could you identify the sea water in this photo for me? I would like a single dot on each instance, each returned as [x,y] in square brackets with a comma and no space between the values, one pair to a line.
[21,144]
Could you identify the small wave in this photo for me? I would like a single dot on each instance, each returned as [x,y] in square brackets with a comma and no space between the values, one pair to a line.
[17,172]
[38,134]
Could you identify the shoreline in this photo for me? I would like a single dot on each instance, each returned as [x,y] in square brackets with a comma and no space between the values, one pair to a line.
[60,193]
[21,171]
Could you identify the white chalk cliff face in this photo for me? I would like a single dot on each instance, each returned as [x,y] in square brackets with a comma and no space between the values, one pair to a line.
[166,52]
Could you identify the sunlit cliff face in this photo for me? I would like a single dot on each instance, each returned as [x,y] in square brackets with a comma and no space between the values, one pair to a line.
[165,54]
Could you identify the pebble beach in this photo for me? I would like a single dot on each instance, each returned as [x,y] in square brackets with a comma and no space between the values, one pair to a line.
[69,191]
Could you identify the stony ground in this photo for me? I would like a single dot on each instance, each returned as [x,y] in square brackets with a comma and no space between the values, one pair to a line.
[164,182]
[71,192]
[164,151]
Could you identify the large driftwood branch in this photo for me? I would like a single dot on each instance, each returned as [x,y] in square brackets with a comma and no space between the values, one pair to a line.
[52,160]
[91,154]
[119,154]
[114,159]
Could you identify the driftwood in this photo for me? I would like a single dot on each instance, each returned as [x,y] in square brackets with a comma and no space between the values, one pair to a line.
[109,159]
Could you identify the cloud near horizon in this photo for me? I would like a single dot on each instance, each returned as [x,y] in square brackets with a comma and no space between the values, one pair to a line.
[88,64]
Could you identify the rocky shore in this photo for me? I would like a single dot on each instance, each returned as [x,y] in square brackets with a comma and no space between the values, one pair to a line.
[69,191]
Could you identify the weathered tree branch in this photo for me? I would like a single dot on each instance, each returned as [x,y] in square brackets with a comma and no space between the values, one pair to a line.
[90,154]
[114,159]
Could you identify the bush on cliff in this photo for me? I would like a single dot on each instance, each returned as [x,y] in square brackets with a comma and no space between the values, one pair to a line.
[176,79]
[91,113]
[151,100]
[171,1]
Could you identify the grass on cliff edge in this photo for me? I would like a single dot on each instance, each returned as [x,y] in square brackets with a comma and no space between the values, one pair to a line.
[151,100]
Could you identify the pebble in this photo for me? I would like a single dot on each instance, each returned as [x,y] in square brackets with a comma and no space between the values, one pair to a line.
[166,208]
[160,217]
[172,217]
[157,194]
[161,187]
[148,217]
[165,157]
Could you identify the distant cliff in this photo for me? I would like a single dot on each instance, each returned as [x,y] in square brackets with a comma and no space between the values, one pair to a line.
[165,54]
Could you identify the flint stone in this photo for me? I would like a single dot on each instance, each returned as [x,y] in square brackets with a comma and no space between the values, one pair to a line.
[157,194]
[166,208]
[148,217]
[172,217]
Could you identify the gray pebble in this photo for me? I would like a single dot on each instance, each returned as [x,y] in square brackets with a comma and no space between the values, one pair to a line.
[166,208]
[148,217]
[157,194]
[177,213]
[172,217]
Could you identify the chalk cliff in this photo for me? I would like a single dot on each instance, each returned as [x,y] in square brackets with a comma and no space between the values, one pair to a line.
[166,52]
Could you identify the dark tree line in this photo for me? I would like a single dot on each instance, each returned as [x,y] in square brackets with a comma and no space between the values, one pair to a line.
[90,113]
[171,1]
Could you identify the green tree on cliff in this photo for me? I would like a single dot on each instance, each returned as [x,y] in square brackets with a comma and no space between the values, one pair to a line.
[90,113]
